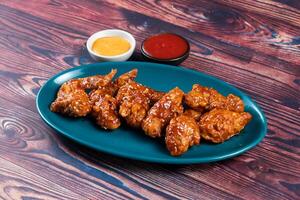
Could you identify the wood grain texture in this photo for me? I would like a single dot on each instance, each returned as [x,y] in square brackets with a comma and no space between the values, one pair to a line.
[18,183]
[254,45]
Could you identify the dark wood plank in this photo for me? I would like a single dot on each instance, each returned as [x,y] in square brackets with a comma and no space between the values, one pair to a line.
[232,47]
[18,183]
[44,153]
[220,59]
[290,3]
[248,29]
[278,10]
[33,148]
[254,46]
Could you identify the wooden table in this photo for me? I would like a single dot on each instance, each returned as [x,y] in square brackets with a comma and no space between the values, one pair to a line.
[253,45]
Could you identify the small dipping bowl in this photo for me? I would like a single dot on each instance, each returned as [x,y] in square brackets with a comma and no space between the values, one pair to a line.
[167,48]
[111,33]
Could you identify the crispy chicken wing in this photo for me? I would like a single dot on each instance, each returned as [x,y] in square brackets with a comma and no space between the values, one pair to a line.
[155,95]
[121,80]
[72,99]
[130,76]
[193,114]
[169,106]
[182,133]
[104,105]
[234,103]
[124,78]
[219,125]
[134,102]
[93,82]
[104,108]
[203,98]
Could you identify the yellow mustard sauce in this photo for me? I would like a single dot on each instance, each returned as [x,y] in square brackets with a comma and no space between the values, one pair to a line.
[111,46]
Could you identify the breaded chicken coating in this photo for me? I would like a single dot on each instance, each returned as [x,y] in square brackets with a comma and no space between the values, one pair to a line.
[182,133]
[158,117]
[204,99]
[104,108]
[219,125]
[72,100]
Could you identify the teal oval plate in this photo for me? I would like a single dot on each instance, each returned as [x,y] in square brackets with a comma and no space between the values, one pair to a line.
[134,144]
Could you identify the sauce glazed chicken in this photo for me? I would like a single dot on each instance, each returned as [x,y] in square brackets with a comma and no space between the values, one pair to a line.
[181,119]
[104,105]
[72,99]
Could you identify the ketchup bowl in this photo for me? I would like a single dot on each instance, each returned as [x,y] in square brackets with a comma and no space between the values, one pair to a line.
[168,48]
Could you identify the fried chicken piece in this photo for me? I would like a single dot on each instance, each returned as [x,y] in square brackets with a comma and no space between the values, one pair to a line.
[121,80]
[219,125]
[193,114]
[155,95]
[125,78]
[134,102]
[182,133]
[234,103]
[93,82]
[130,76]
[203,98]
[104,108]
[169,106]
[198,98]
[72,99]
[104,105]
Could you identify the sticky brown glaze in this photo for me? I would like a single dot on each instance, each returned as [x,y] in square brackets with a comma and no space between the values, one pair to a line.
[219,125]
[169,106]
[193,114]
[104,108]
[155,95]
[134,102]
[234,103]
[93,82]
[182,133]
[72,99]
[122,80]
[203,98]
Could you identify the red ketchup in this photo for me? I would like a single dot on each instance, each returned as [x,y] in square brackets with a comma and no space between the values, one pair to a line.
[165,46]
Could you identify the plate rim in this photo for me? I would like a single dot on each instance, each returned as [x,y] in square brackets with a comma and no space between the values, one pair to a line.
[171,160]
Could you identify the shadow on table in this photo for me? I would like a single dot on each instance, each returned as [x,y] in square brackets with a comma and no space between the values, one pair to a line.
[137,56]
[98,158]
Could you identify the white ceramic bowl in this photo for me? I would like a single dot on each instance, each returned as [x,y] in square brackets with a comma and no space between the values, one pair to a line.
[111,33]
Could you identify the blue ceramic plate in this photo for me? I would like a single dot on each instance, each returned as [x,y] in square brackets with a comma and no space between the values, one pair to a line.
[133,144]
